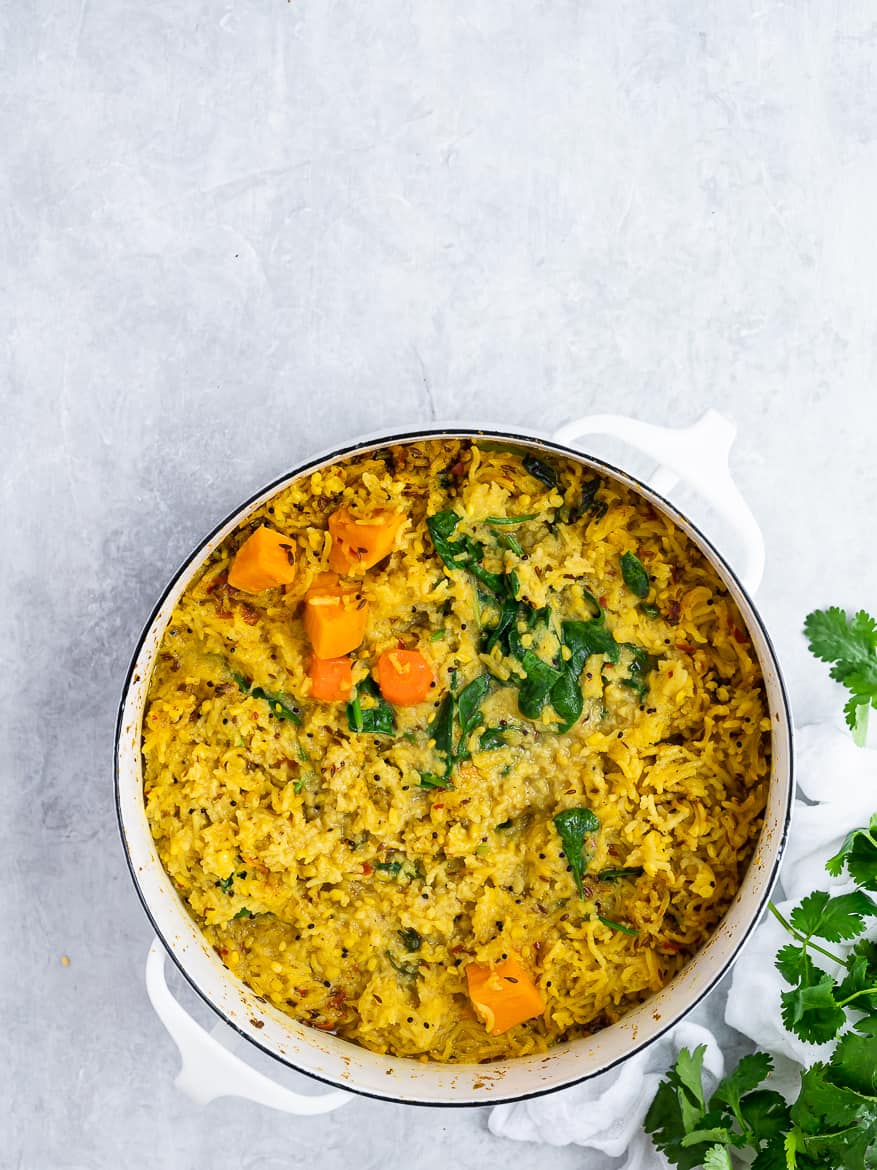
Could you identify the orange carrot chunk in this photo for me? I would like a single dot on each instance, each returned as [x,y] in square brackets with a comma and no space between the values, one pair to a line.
[335,616]
[331,679]
[404,677]
[503,995]
[265,559]
[360,542]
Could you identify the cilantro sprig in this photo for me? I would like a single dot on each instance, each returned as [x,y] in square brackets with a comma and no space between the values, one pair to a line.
[851,645]
[833,1120]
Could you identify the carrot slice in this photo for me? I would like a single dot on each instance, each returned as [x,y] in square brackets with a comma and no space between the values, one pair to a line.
[265,559]
[335,616]
[503,995]
[331,679]
[360,542]
[404,677]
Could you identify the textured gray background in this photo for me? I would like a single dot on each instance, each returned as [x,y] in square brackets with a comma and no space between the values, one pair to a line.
[233,233]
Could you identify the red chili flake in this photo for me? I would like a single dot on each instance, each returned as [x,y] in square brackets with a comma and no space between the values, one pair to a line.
[219,579]
[366,869]
[739,636]
[674,612]
[438,806]
[458,469]
[456,950]
[250,615]
[602,599]
[612,850]
[685,647]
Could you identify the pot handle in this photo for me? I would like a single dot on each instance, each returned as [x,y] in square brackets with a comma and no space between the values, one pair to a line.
[698,455]
[209,1068]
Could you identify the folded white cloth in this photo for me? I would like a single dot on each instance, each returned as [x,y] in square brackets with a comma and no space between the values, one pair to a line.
[605,1115]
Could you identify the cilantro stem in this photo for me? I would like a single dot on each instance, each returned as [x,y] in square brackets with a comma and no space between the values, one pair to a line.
[865,991]
[805,939]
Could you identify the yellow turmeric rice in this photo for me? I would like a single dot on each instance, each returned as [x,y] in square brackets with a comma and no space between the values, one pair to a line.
[587,809]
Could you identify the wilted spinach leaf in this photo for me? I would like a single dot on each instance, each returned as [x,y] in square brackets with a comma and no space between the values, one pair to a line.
[635,577]
[377,720]
[573,826]
[540,470]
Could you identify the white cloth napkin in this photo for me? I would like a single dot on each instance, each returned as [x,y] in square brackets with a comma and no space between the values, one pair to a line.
[604,1115]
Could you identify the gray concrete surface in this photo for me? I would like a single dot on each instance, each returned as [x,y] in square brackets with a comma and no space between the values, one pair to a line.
[233,233]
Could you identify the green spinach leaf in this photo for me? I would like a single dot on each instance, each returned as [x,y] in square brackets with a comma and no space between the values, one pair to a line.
[537,686]
[641,665]
[612,875]
[635,577]
[279,705]
[469,701]
[573,826]
[379,719]
[442,731]
[541,470]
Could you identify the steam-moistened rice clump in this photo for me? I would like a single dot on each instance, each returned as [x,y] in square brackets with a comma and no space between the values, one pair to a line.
[456,750]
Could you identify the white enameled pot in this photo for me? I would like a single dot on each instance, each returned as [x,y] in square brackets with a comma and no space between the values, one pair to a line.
[699,456]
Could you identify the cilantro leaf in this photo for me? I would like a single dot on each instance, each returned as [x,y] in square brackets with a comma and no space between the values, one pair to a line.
[856,719]
[794,964]
[713,1134]
[765,1114]
[861,978]
[772,1156]
[678,1110]
[748,1075]
[859,854]
[839,1149]
[822,1105]
[689,1070]
[833,918]
[717,1158]
[833,637]
[853,1064]
[811,1012]
[849,643]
